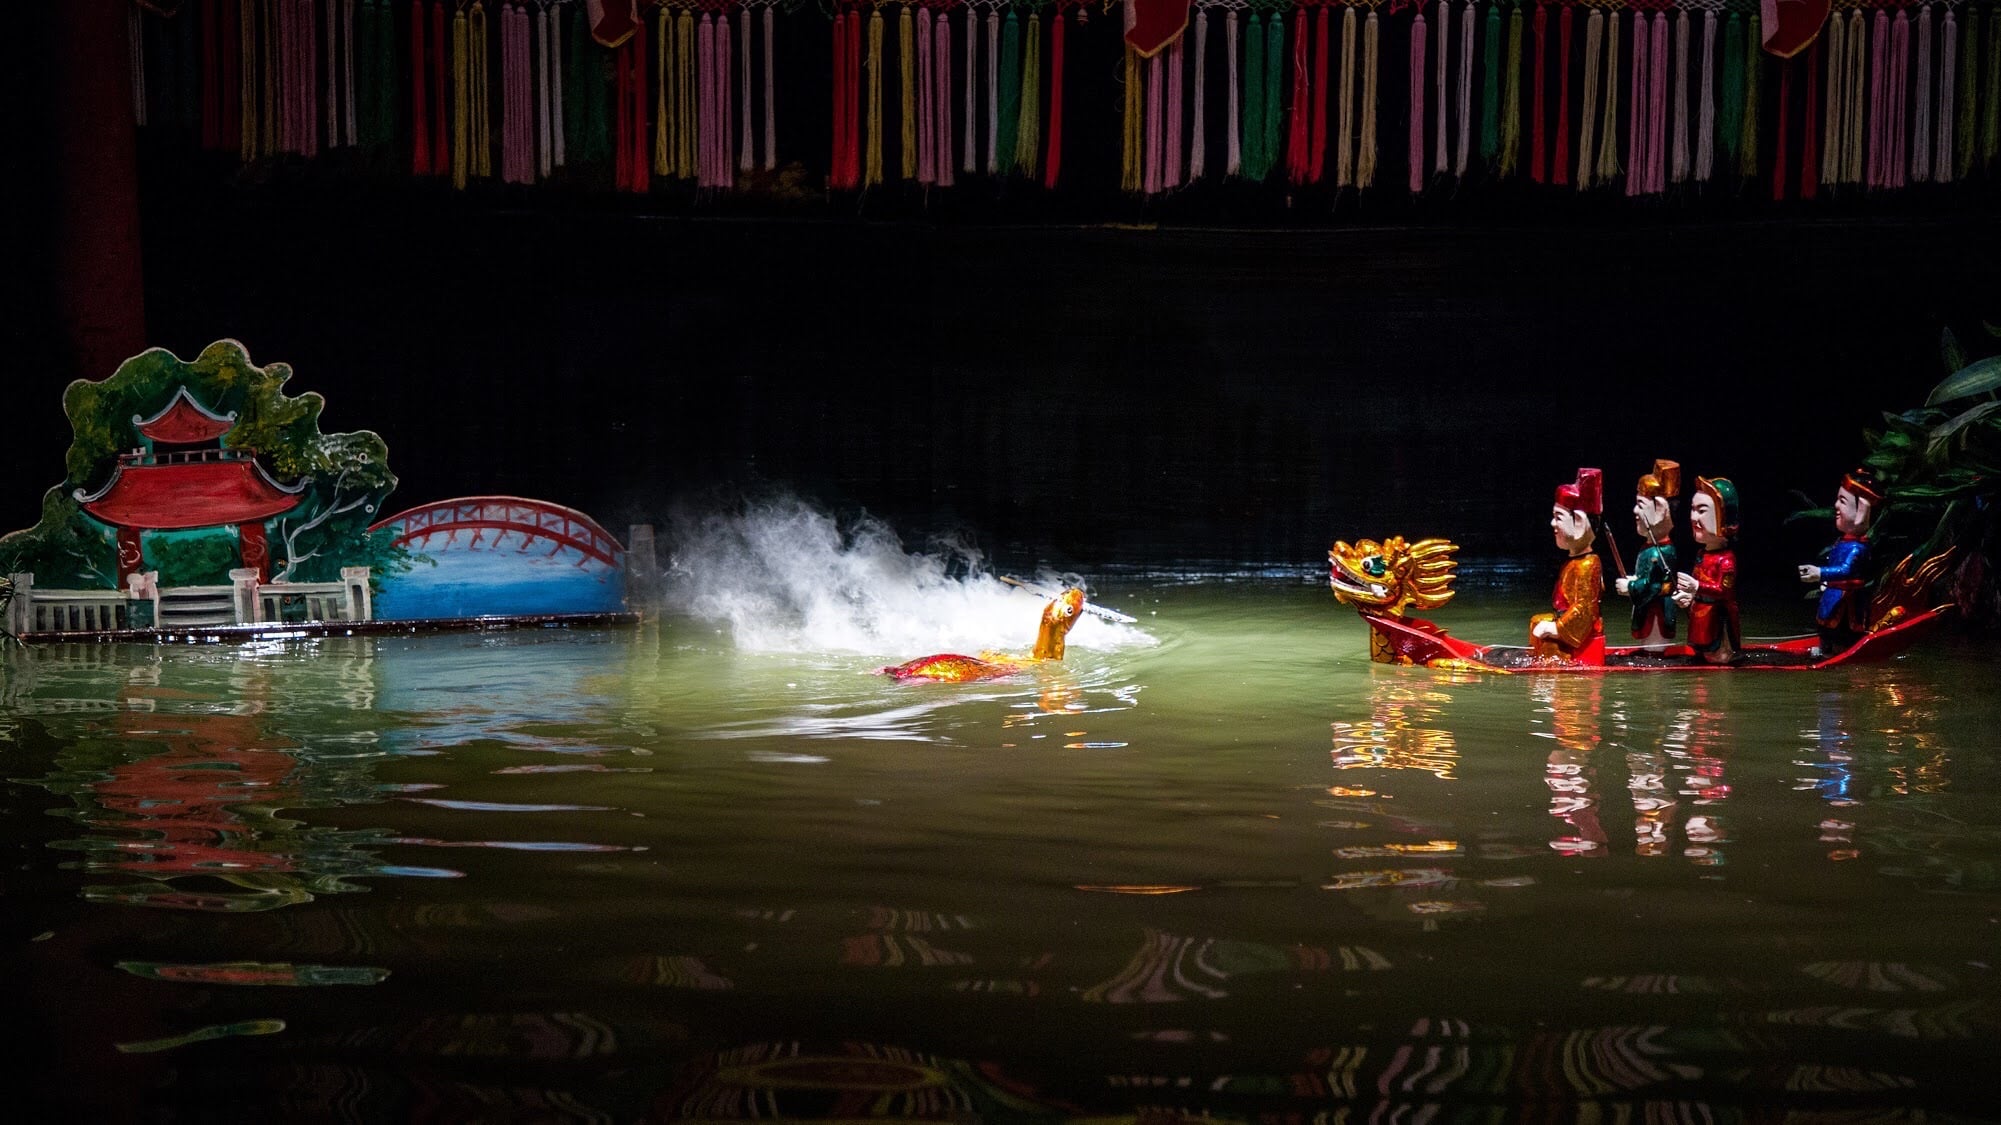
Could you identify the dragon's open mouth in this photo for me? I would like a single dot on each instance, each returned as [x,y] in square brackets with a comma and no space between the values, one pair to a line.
[1344,581]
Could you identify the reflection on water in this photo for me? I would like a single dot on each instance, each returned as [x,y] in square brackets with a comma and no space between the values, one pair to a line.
[1235,873]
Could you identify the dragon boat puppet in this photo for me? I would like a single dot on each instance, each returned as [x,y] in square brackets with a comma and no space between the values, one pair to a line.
[1386,580]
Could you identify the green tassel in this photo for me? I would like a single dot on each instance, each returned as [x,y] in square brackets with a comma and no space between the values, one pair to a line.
[1730,115]
[1962,142]
[1747,163]
[1274,74]
[586,100]
[1990,108]
[1490,101]
[1010,95]
[1511,120]
[1254,100]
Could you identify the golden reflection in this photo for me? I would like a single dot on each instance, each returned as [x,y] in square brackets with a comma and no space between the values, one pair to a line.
[1572,704]
[1404,731]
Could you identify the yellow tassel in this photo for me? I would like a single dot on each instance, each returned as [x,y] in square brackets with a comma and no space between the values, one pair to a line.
[1344,135]
[1365,163]
[1028,134]
[684,78]
[906,67]
[482,137]
[1511,98]
[872,147]
[460,34]
[1608,126]
[663,115]
[1129,177]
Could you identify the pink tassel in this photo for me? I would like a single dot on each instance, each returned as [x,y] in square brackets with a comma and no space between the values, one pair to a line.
[1197,144]
[1879,133]
[1900,63]
[1657,107]
[941,102]
[1233,128]
[770,91]
[705,102]
[1417,80]
[725,177]
[1921,125]
[1637,130]
[1154,153]
[926,168]
[1174,68]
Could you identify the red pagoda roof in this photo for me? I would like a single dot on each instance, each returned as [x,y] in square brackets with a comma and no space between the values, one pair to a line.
[183,421]
[168,492]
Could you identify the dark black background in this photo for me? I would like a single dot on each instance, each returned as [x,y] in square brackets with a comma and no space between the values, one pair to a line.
[1232,375]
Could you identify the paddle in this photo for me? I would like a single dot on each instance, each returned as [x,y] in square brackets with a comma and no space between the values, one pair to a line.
[1089,607]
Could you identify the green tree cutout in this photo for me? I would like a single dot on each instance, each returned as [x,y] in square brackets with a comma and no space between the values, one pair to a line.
[345,476]
[1940,464]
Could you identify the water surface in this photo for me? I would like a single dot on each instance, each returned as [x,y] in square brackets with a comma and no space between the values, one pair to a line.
[1213,864]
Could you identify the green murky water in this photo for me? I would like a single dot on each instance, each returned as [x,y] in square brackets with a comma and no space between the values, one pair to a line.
[1214,865]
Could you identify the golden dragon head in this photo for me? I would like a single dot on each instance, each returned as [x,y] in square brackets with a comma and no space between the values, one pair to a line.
[1392,576]
[1058,618]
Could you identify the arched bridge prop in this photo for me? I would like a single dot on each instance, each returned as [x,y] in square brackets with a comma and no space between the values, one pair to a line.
[497,522]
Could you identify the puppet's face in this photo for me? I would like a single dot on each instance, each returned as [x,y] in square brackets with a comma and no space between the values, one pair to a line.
[1571,528]
[1704,522]
[1650,516]
[1851,513]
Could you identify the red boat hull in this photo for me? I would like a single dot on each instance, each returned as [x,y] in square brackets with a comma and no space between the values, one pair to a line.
[1413,640]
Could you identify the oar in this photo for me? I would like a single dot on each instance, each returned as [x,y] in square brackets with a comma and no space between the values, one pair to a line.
[1090,607]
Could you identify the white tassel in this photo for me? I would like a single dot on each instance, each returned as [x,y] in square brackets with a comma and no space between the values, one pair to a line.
[993,93]
[1441,18]
[1705,138]
[1678,153]
[1833,130]
[971,163]
[1235,162]
[747,154]
[1587,122]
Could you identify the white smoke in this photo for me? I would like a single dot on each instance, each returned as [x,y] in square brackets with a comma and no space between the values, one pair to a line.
[784,576]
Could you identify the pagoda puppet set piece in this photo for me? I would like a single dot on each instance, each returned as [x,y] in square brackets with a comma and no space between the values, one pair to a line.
[201,502]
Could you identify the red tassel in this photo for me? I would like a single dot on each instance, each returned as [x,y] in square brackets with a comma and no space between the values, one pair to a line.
[420,116]
[1560,165]
[1809,146]
[854,98]
[1318,160]
[1536,149]
[1785,111]
[1054,161]
[1295,138]
[441,151]
[642,167]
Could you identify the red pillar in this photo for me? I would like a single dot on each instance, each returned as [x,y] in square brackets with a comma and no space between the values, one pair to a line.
[256,550]
[99,290]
